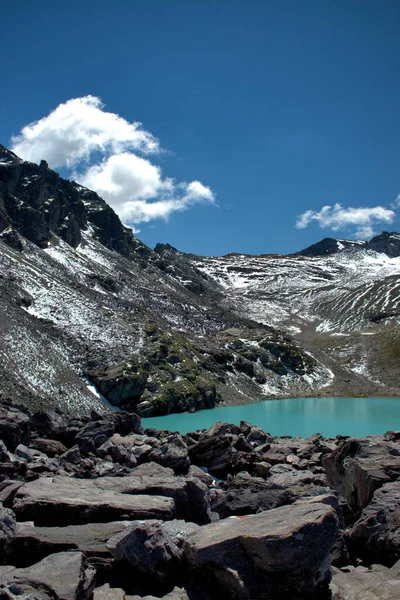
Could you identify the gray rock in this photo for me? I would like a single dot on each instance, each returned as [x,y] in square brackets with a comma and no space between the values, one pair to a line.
[65,574]
[172,452]
[360,466]
[49,447]
[154,548]
[375,537]
[31,544]
[61,501]
[376,583]
[300,483]
[105,592]
[7,528]
[278,554]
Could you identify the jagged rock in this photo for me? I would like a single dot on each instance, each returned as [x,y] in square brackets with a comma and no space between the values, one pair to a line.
[7,528]
[214,452]
[93,435]
[278,554]
[360,466]
[8,488]
[49,423]
[360,583]
[127,422]
[162,543]
[62,501]
[14,430]
[172,452]
[375,537]
[30,544]
[300,483]
[246,502]
[65,575]
[72,455]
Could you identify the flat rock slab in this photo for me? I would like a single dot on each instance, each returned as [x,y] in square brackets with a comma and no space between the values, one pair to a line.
[62,501]
[376,583]
[31,544]
[65,574]
[278,554]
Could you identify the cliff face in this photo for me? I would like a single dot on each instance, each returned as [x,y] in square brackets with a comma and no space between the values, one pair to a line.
[87,309]
[38,203]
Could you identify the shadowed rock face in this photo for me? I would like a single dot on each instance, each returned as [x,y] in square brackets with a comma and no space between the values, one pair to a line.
[376,535]
[360,466]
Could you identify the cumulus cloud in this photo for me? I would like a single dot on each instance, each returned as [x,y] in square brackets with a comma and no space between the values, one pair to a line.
[130,183]
[338,217]
[79,131]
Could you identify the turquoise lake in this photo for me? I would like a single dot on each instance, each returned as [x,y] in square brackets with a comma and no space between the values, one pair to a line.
[296,416]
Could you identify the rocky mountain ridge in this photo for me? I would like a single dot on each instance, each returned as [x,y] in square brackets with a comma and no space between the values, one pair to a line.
[89,310]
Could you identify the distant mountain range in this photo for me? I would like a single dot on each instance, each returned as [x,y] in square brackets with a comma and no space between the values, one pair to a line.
[87,309]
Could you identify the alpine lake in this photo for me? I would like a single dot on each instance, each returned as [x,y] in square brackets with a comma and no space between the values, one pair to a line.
[356,417]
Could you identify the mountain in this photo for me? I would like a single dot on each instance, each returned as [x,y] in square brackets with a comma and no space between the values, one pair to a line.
[87,309]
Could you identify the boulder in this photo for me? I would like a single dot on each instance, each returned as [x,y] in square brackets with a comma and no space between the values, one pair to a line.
[216,453]
[49,447]
[299,483]
[360,583]
[49,423]
[65,575]
[360,466]
[172,452]
[63,501]
[126,422]
[14,432]
[375,537]
[279,554]
[154,548]
[247,495]
[30,544]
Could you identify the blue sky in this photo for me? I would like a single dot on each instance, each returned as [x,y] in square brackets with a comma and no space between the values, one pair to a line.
[255,114]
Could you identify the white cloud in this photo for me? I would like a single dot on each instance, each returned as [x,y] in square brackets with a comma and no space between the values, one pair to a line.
[80,129]
[396,203]
[139,211]
[337,218]
[134,187]
[76,129]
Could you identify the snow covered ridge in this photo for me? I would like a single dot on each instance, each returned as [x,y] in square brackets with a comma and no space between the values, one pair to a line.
[161,331]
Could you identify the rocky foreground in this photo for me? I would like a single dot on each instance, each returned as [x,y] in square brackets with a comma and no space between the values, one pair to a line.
[102,508]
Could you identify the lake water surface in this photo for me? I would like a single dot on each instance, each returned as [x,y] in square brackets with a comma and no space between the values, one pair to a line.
[296,416]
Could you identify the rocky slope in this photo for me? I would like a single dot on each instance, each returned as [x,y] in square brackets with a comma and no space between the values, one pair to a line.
[87,310]
[99,508]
